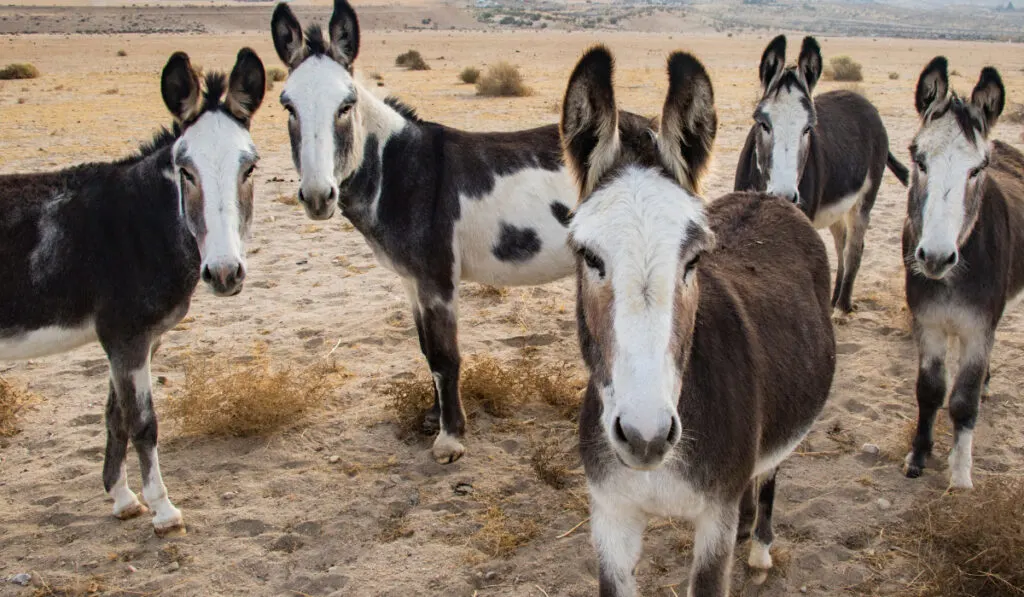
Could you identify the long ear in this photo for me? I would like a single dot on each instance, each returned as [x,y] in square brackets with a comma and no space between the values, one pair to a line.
[287,33]
[989,96]
[344,30]
[590,120]
[772,61]
[809,64]
[246,85]
[932,85]
[179,86]
[688,120]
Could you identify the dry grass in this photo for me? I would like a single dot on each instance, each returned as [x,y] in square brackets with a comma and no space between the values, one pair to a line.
[894,76]
[501,535]
[843,68]
[287,199]
[552,462]
[502,80]
[18,71]
[409,399]
[276,74]
[969,543]
[412,60]
[1014,113]
[111,91]
[122,53]
[224,398]
[13,401]
[74,586]
[469,75]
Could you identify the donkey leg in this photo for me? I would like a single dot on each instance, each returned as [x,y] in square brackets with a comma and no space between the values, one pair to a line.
[838,231]
[440,334]
[432,418]
[115,478]
[748,513]
[856,229]
[132,381]
[710,574]
[617,534]
[760,556]
[963,406]
[931,392]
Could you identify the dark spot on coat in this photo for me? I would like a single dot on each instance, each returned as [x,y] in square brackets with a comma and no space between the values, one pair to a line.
[516,244]
[561,213]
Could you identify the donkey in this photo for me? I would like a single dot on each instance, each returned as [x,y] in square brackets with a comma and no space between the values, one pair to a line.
[435,204]
[705,328]
[827,155]
[963,246]
[112,252]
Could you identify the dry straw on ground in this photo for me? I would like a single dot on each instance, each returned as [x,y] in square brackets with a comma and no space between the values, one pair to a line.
[224,398]
[968,544]
[18,71]
[501,534]
[13,401]
[502,80]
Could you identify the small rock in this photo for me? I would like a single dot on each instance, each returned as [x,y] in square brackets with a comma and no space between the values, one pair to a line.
[228,495]
[334,459]
[491,575]
[332,570]
[21,579]
[174,567]
[161,379]
[870,449]
[132,569]
[92,564]
[462,489]
[883,503]
[803,588]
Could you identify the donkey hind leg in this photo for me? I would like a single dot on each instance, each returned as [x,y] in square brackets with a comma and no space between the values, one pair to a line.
[838,230]
[760,555]
[711,571]
[130,374]
[748,513]
[617,533]
[931,392]
[963,405]
[432,418]
[856,229]
[115,478]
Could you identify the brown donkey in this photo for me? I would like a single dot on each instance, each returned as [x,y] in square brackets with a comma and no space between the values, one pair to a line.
[963,245]
[706,329]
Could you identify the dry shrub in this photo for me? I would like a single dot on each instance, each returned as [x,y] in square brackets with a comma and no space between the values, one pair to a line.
[122,53]
[502,80]
[224,398]
[412,60]
[969,544]
[112,91]
[893,76]
[498,389]
[486,291]
[501,535]
[469,75]
[1014,113]
[276,74]
[843,68]
[74,586]
[18,71]
[552,462]
[287,199]
[13,401]
[409,399]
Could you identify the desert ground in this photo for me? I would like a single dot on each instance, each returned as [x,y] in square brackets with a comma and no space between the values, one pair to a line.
[345,502]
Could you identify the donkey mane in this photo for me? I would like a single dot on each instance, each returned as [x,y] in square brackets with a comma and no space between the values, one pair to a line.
[162,138]
[788,80]
[216,85]
[405,110]
[316,43]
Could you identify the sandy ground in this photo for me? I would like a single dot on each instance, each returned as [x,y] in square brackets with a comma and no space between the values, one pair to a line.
[298,524]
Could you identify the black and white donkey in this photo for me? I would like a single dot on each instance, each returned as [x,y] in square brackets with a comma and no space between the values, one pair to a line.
[112,252]
[437,205]
[705,329]
[826,154]
[963,245]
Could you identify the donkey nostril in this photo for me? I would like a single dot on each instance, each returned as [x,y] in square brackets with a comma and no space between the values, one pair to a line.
[619,433]
[920,254]
[333,195]
[302,197]
[951,260]
[673,432]
[240,273]
[206,275]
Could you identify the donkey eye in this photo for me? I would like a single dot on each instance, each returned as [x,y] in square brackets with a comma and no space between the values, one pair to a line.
[248,172]
[343,110]
[920,165]
[593,261]
[291,111]
[691,265]
[807,131]
[976,171]
[765,126]
[187,176]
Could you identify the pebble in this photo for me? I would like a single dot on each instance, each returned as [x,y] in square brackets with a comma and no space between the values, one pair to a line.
[228,495]
[883,503]
[462,489]
[491,575]
[92,564]
[174,567]
[22,579]
[332,570]
[132,569]
[870,449]
[334,459]
[803,589]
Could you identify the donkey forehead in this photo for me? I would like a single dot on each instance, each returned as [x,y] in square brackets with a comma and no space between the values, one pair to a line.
[318,81]
[640,214]
[214,141]
[787,104]
[943,134]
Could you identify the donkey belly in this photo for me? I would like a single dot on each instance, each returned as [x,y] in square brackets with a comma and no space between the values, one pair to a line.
[832,212]
[50,340]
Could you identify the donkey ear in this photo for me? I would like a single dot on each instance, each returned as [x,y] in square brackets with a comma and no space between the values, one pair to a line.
[688,120]
[590,120]
[344,30]
[772,61]
[932,85]
[179,86]
[809,63]
[989,96]
[246,85]
[287,33]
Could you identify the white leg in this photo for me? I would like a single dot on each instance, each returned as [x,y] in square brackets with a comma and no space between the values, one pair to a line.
[960,461]
[710,574]
[617,532]
[126,504]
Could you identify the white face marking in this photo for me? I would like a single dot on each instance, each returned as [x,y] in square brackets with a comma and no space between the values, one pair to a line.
[788,141]
[46,341]
[220,151]
[949,158]
[638,226]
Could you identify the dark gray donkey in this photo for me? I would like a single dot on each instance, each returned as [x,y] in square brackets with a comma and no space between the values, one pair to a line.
[963,246]
[705,329]
[827,155]
[113,252]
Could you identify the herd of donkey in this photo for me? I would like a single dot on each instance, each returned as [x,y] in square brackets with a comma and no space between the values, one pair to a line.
[706,326]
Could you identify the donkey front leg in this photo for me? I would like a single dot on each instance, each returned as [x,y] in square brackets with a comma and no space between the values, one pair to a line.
[838,230]
[130,377]
[760,547]
[963,405]
[618,533]
[712,551]
[856,229]
[115,478]
[931,392]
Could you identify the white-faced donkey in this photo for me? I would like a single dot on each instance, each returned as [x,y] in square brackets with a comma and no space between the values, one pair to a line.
[705,328]
[963,246]
[112,252]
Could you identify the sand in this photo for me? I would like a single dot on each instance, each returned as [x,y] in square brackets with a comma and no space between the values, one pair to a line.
[277,515]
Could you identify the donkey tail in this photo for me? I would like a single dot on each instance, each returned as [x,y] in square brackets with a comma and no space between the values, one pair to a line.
[898,169]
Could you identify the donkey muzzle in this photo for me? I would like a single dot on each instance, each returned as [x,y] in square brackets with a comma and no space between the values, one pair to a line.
[936,264]
[645,450]
[224,278]
[319,204]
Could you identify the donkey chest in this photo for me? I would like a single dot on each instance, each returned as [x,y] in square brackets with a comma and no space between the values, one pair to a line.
[663,492]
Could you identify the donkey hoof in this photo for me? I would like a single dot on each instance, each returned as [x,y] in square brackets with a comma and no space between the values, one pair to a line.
[130,511]
[169,524]
[760,559]
[172,530]
[447,449]
[960,482]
